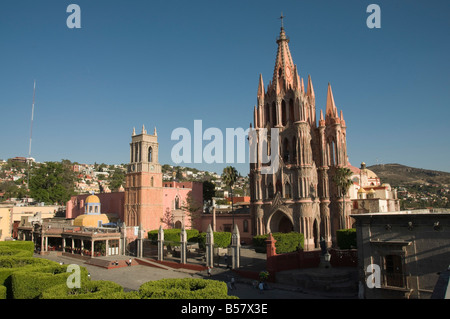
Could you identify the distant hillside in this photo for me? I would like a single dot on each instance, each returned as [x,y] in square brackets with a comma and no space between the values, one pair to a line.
[397,175]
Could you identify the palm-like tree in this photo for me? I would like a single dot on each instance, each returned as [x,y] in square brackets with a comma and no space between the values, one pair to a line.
[229,177]
[342,179]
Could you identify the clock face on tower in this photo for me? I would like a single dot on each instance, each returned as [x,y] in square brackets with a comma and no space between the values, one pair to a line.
[152,167]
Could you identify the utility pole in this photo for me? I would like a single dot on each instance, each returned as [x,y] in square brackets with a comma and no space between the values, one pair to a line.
[31,137]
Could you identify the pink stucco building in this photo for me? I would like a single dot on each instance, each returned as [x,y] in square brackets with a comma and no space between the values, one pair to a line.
[148,201]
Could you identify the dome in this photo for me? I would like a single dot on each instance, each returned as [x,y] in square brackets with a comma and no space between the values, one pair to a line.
[92,199]
[371,174]
[372,191]
[361,190]
[91,220]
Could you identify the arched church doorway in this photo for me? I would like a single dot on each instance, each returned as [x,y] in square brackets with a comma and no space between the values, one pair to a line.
[281,223]
[316,234]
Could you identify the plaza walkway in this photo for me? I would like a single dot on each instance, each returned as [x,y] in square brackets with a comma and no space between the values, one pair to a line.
[132,277]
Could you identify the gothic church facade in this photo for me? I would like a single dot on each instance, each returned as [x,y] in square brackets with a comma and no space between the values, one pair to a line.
[301,195]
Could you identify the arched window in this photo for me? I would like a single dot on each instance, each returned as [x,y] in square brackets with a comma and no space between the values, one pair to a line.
[273,120]
[283,113]
[270,189]
[287,191]
[286,150]
[294,150]
[136,152]
[279,187]
[151,182]
[245,226]
[150,154]
[291,111]
[267,113]
[177,202]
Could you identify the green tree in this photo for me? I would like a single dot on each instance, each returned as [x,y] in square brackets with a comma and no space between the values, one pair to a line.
[342,179]
[209,190]
[192,207]
[116,179]
[229,177]
[52,182]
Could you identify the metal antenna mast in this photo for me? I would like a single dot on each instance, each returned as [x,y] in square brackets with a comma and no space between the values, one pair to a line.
[31,136]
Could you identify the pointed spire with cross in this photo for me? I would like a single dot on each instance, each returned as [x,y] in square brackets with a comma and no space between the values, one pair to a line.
[281,18]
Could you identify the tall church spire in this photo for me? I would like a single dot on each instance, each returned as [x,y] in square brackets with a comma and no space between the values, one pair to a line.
[310,92]
[284,66]
[261,87]
[331,110]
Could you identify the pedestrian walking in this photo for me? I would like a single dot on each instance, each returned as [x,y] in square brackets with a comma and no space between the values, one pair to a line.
[209,271]
[233,286]
[261,287]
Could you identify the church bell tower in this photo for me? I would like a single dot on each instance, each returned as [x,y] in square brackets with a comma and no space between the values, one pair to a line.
[143,190]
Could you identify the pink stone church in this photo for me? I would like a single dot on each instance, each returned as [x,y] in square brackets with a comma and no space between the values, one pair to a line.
[301,195]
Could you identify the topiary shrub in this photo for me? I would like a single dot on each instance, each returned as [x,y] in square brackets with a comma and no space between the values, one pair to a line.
[185,288]
[9,265]
[18,245]
[221,239]
[346,238]
[8,252]
[173,235]
[99,289]
[285,242]
[30,283]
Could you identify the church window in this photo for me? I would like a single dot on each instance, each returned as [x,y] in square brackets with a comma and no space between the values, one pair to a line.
[286,150]
[287,191]
[151,182]
[150,154]
[136,152]
[291,111]
[279,187]
[267,113]
[273,120]
[245,226]
[294,150]
[270,188]
[393,270]
[177,203]
[283,113]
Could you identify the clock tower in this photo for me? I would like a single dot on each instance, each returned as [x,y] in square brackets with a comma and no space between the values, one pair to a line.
[143,189]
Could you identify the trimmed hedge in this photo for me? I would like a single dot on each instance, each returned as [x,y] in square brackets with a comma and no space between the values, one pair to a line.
[221,239]
[286,242]
[29,284]
[2,292]
[9,265]
[18,245]
[99,289]
[186,288]
[173,235]
[7,251]
[346,238]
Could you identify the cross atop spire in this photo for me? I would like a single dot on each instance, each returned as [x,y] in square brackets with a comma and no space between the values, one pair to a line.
[281,18]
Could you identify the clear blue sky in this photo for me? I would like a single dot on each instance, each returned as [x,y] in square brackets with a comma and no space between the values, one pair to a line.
[168,63]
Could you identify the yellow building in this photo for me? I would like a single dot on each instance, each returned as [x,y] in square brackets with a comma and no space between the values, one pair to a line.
[92,216]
